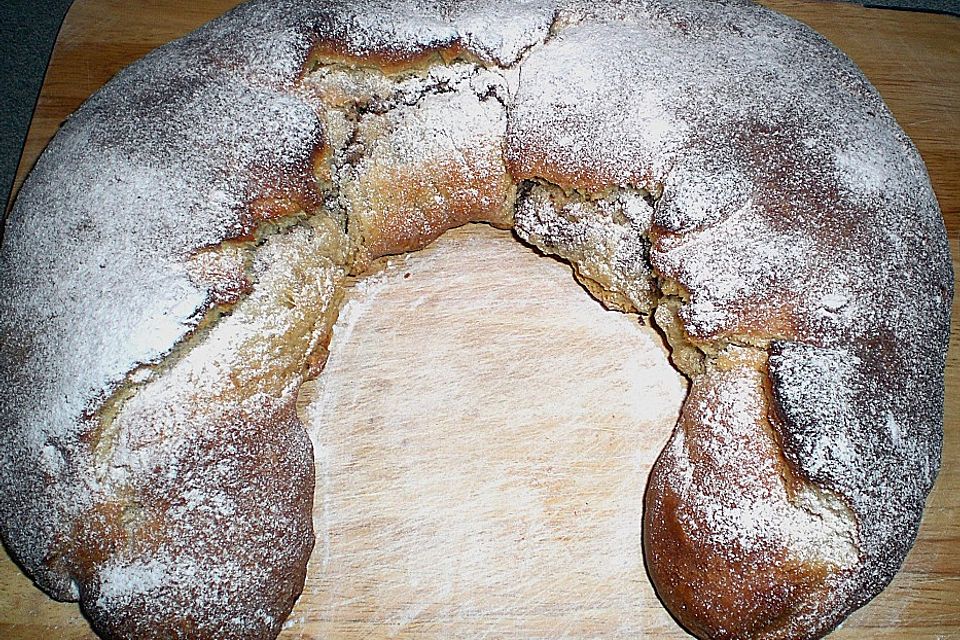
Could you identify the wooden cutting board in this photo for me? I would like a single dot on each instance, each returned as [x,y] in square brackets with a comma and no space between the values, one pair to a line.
[483,429]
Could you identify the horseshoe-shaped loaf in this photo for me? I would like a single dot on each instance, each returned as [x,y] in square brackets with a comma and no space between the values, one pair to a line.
[173,265]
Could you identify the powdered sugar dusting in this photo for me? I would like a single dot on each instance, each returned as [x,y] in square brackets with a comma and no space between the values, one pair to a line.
[729,409]
[782,217]
[496,31]
[191,457]
[562,113]
[119,582]
[837,387]
[501,30]
[428,164]
[155,166]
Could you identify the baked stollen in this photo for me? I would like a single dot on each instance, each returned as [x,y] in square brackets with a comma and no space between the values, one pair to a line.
[173,265]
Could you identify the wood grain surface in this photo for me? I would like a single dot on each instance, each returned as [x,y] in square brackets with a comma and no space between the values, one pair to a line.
[523,386]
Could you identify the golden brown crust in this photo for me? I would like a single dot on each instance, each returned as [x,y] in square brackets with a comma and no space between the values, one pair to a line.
[270,472]
[722,532]
[405,208]
[528,160]
[387,60]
